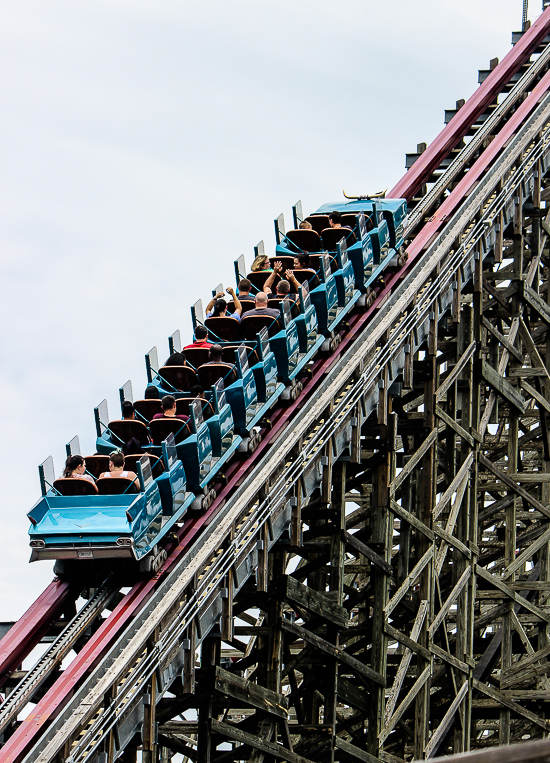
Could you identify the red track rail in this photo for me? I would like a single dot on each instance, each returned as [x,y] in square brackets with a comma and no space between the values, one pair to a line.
[457,128]
[27,632]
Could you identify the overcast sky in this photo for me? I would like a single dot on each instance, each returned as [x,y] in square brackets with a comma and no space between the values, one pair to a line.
[146,145]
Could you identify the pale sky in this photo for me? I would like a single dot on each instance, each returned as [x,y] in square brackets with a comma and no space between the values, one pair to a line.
[146,145]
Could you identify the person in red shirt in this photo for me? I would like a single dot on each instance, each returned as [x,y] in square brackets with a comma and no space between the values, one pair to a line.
[201,339]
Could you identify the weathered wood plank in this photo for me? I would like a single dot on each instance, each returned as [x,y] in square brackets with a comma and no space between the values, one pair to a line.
[533,300]
[407,641]
[484,461]
[406,516]
[449,658]
[362,548]
[452,541]
[499,583]
[501,386]
[353,696]
[460,431]
[526,662]
[417,686]
[502,339]
[313,601]
[455,373]
[437,737]
[250,693]
[277,750]
[461,475]
[531,549]
[510,704]
[355,752]
[411,644]
[413,461]
[450,600]
[409,580]
[333,651]
[537,397]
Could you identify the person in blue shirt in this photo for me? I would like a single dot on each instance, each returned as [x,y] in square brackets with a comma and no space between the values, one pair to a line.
[217,307]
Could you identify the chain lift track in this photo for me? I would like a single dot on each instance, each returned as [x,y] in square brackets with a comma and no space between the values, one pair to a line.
[372,582]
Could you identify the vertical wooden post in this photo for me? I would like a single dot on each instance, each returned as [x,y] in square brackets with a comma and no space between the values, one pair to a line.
[209,659]
[381,538]
[149,746]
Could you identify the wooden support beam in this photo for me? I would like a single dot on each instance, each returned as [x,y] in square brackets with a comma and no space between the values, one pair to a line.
[313,601]
[355,752]
[277,750]
[333,651]
[498,583]
[361,548]
[531,298]
[417,686]
[510,704]
[409,580]
[484,461]
[437,737]
[250,693]
[501,386]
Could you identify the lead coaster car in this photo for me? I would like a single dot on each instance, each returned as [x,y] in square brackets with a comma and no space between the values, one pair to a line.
[121,526]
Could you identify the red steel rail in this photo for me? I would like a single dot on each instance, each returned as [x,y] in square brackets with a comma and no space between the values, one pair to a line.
[27,632]
[459,125]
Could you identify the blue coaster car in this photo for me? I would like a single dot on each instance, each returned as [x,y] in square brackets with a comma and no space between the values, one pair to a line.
[373,229]
[240,387]
[192,439]
[76,519]
[325,297]
[393,211]
[265,369]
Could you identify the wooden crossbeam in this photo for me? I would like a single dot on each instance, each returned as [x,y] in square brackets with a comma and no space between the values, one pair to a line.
[361,548]
[353,696]
[526,662]
[526,555]
[534,355]
[250,693]
[355,752]
[277,750]
[456,371]
[409,580]
[461,475]
[446,721]
[406,516]
[333,651]
[499,583]
[392,723]
[411,645]
[510,704]
[413,461]
[452,541]
[535,302]
[460,431]
[502,339]
[313,601]
[501,386]
[542,402]
[484,461]
[449,658]
[453,596]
